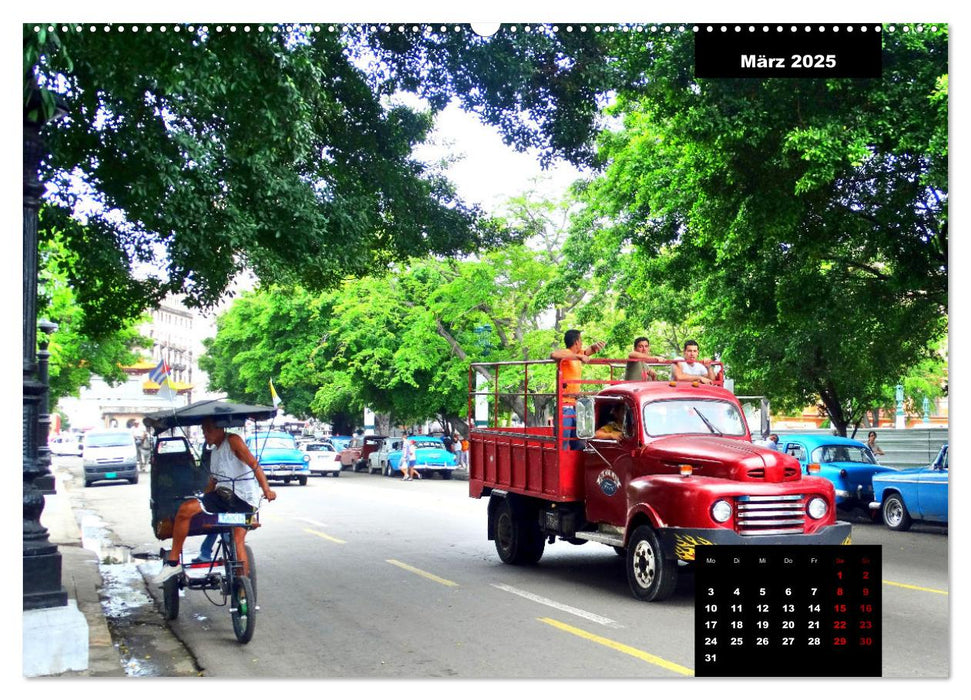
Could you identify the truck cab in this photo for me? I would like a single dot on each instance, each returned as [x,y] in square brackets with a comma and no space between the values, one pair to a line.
[657,468]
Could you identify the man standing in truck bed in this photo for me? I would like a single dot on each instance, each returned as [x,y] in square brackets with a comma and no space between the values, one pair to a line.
[571,359]
[690,370]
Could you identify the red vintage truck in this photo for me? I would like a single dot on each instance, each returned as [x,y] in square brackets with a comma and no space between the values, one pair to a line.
[683,472]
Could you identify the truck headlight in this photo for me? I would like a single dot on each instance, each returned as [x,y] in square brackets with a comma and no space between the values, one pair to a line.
[816,508]
[721,511]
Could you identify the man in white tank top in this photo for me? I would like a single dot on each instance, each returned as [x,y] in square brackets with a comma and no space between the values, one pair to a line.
[235,482]
[690,370]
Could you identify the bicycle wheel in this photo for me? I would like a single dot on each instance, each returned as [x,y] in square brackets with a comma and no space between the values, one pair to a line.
[170,598]
[252,570]
[243,609]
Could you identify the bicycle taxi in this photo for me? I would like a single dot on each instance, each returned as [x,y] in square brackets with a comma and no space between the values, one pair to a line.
[177,474]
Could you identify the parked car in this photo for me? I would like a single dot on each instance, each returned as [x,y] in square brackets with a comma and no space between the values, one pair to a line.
[377,461]
[431,457]
[351,453]
[355,455]
[109,455]
[339,441]
[66,444]
[279,457]
[906,495]
[324,459]
[849,464]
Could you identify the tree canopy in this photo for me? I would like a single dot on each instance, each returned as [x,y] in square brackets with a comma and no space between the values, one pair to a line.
[192,153]
[798,227]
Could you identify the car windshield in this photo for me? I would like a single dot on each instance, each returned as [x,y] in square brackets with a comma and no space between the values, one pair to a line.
[107,439]
[843,453]
[280,443]
[693,416]
[319,447]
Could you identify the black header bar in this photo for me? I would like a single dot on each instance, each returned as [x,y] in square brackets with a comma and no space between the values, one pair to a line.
[788,51]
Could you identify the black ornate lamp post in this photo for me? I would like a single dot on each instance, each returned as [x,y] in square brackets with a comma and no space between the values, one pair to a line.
[42,561]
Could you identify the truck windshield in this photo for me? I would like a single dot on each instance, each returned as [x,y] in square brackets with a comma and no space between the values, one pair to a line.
[688,416]
[108,439]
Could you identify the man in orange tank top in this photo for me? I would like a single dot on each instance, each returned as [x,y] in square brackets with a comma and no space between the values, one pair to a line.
[572,358]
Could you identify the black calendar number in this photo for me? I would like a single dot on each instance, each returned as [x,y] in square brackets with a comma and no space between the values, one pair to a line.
[810,611]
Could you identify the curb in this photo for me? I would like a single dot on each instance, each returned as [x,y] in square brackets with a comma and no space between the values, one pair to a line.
[82,581]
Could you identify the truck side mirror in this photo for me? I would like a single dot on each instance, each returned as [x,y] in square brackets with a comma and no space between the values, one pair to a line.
[586,422]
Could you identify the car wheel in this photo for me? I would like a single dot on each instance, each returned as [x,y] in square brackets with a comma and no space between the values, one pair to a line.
[133,480]
[302,480]
[336,474]
[446,473]
[649,574]
[895,515]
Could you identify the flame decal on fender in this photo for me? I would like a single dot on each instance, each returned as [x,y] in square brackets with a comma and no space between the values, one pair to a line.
[684,546]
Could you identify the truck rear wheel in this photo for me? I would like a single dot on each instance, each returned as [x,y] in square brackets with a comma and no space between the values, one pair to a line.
[649,574]
[518,538]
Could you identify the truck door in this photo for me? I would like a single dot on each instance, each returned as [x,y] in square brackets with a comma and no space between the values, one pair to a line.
[607,462]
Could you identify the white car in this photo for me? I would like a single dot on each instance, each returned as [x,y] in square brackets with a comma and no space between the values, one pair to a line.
[324,459]
[377,461]
[65,444]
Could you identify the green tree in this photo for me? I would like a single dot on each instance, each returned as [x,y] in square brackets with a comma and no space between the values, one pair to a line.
[76,352]
[193,153]
[802,224]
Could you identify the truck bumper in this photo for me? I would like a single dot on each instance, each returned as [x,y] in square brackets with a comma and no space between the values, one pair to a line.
[680,543]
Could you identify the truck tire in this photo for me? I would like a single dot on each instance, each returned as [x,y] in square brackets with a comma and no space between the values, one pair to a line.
[650,575]
[518,537]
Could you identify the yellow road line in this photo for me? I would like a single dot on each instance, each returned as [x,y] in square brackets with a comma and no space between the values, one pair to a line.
[914,588]
[430,577]
[325,536]
[623,648]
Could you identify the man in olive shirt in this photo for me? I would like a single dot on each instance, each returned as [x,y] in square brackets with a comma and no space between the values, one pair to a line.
[637,368]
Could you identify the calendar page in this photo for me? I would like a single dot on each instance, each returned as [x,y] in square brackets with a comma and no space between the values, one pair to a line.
[788,611]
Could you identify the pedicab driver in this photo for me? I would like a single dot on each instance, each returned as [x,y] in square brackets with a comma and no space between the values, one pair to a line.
[235,481]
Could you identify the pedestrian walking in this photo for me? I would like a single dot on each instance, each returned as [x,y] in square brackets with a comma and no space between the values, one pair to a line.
[408,460]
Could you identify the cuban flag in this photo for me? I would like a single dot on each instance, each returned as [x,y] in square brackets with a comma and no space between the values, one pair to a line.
[160,372]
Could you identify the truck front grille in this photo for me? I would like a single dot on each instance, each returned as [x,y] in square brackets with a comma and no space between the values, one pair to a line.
[771,515]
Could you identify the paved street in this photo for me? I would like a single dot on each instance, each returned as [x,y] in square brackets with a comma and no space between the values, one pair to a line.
[367,577]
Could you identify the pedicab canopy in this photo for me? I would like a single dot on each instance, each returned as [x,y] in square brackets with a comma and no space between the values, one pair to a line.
[224,413]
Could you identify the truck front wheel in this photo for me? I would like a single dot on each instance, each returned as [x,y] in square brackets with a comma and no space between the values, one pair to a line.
[518,539]
[650,575]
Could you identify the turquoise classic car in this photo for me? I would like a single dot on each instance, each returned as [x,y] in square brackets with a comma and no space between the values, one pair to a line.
[849,464]
[279,456]
[431,457]
[913,494]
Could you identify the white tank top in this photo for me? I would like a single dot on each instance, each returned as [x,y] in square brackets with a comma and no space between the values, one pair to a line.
[229,471]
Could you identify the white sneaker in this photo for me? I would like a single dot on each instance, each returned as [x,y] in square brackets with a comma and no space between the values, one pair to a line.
[406,478]
[166,573]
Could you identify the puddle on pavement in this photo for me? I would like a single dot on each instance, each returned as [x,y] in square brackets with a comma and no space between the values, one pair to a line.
[123,596]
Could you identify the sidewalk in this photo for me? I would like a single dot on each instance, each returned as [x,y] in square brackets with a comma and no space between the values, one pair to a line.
[82,580]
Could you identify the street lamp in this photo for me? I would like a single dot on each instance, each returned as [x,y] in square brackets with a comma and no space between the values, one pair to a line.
[41,559]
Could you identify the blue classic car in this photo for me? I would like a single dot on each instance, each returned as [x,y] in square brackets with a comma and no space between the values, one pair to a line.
[849,464]
[278,455]
[913,494]
[431,457]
